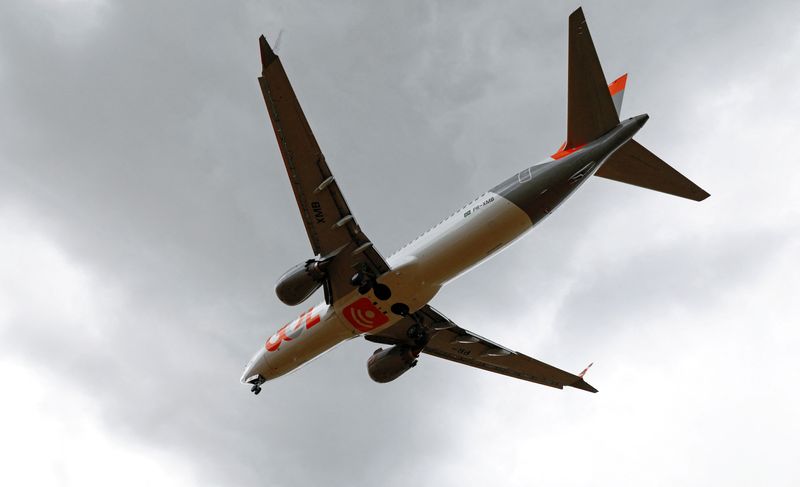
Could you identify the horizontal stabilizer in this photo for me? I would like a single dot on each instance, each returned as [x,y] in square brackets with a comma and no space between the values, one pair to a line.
[633,164]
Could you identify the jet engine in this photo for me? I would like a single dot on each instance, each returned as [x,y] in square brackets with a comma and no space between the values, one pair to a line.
[387,365]
[300,282]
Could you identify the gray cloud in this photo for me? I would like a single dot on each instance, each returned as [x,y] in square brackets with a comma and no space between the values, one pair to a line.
[135,141]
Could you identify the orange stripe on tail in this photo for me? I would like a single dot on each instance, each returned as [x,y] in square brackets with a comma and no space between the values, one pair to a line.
[615,87]
[562,153]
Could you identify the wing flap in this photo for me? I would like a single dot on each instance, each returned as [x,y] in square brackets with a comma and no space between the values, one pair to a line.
[452,344]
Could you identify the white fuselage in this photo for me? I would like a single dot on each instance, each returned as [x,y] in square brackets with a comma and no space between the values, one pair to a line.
[418,270]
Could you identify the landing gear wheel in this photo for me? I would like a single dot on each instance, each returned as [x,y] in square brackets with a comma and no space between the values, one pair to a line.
[357,279]
[363,282]
[365,287]
[400,309]
[415,332]
[255,389]
[382,291]
[419,335]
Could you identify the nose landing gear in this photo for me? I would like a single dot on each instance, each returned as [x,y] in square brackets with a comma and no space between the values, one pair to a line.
[256,380]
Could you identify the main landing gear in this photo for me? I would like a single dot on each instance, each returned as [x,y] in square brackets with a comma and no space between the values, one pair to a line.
[365,282]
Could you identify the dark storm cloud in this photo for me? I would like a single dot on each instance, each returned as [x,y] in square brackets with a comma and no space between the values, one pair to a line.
[136,133]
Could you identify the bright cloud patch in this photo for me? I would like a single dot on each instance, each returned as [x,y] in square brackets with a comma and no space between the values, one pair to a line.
[52,432]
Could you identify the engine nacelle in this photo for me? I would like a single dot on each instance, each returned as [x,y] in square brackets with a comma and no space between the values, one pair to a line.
[299,283]
[387,365]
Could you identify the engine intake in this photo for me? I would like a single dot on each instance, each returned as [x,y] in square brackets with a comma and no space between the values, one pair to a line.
[299,283]
[387,365]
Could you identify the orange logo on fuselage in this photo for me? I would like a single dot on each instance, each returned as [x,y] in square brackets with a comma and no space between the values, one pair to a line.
[364,316]
[292,330]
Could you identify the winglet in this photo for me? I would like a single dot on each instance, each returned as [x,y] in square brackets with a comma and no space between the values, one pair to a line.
[583,372]
[582,384]
[618,84]
[617,90]
[267,56]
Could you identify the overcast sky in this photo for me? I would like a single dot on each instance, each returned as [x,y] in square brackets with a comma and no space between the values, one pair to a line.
[145,214]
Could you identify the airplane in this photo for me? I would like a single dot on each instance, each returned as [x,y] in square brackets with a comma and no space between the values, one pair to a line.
[387,300]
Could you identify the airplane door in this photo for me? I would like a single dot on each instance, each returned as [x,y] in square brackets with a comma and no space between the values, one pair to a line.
[525,175]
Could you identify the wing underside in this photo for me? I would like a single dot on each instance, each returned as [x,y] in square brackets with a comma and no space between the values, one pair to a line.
[332,230]
[445,339]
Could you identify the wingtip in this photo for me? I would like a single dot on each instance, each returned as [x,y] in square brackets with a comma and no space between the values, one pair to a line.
[584,386]
[702,195]
[581,383]
[267,55]
[577,13]
[695,192]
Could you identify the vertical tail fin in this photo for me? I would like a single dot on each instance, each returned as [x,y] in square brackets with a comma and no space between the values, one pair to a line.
[590,109]
[617,90]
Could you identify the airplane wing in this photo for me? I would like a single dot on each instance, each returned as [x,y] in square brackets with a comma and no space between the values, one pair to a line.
[331,227]
[449,341]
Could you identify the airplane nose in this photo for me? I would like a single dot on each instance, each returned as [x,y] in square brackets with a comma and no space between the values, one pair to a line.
[255,367]
[248,372]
